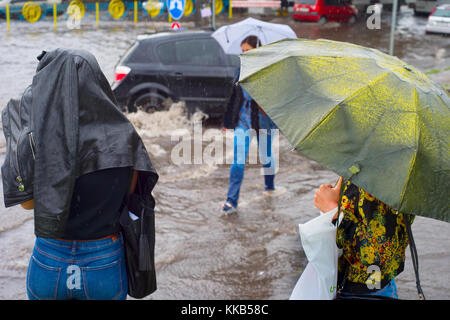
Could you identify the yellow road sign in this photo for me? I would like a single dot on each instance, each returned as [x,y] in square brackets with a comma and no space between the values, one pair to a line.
[188,8]
[153,8]
[31,11]
[76,9]
[116,9]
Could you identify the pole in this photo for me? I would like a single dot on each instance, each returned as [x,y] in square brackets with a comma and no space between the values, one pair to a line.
[97,13]
[393,24]
[135,12]
[230,10]
[213,15]
[54,15]
[7,18]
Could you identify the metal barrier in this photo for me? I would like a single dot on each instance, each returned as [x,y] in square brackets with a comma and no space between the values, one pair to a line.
[76,10]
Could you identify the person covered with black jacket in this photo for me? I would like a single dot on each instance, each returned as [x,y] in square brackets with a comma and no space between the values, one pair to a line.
[247,119]
[87,157]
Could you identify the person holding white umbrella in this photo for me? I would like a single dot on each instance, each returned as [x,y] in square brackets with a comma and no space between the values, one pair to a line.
[243,115]
[242,112]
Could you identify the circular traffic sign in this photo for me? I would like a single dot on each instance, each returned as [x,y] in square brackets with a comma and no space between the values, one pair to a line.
[31,11]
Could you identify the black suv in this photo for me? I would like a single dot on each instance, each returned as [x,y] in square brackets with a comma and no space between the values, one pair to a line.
[189,66]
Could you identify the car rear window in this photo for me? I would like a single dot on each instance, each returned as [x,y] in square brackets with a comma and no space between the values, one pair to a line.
[139,52]
[442,13]
[205,51]
[126,55]
[333,2]
[306,1]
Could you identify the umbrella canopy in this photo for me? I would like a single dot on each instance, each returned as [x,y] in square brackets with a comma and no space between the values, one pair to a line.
[231,36]
[366,115]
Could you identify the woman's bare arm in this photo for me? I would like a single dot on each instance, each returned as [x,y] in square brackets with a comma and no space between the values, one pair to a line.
[133,182]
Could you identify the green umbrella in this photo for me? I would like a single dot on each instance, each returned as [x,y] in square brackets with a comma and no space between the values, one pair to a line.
[368,116]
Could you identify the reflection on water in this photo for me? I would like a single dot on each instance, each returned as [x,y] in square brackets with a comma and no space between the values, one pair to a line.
[201,254]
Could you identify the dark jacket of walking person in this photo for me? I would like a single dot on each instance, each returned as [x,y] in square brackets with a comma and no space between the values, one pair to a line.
[234,105]
[373,238]
[242,115]
[87,157]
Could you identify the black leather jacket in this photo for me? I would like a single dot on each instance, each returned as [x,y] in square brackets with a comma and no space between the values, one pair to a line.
[77,129]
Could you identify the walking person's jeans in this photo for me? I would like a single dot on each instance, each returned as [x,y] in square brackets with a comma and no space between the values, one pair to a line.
[242,139]
[61,269]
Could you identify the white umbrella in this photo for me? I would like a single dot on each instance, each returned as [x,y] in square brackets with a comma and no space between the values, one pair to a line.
[231,36]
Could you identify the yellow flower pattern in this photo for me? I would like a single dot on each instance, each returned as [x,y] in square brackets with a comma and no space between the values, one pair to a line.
[372,235]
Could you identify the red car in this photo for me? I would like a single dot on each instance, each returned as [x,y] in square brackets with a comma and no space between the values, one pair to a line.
[324,10]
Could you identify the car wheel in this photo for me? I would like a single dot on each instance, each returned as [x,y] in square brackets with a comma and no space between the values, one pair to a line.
[352,19]
[322,20]
[150,103]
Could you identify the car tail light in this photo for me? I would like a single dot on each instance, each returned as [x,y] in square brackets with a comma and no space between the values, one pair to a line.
[121,72]
[432,11]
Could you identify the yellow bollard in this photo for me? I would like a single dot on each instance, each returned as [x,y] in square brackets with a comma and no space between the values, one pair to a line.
[96,12]
[135,12]
[230,10]
[55,14]
[7,18]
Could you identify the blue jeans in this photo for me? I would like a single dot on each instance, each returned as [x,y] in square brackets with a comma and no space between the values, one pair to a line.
[242,140]
[60,269]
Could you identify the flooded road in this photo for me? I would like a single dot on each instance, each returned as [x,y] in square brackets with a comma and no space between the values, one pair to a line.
[201,254]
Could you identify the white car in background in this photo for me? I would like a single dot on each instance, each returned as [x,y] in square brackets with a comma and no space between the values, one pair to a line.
[439,20]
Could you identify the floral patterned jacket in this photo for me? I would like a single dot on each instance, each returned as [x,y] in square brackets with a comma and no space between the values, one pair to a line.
[373,238]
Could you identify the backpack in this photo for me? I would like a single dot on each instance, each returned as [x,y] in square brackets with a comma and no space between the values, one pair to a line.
[18,166]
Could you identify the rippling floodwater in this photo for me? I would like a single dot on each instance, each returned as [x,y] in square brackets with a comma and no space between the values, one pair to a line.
[200,254]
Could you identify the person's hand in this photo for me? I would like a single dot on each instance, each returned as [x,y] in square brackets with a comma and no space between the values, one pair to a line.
[327,196]
[28,205]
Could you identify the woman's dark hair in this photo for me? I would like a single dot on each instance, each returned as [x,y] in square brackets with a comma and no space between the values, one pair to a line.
[252,41]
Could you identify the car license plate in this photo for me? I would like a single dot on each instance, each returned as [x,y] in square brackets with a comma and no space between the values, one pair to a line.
[304,10]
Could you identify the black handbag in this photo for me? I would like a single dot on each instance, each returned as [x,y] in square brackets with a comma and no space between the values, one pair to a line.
[139,242]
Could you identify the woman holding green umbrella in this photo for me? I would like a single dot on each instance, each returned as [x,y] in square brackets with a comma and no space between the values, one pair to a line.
[376,121]
[373,237]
